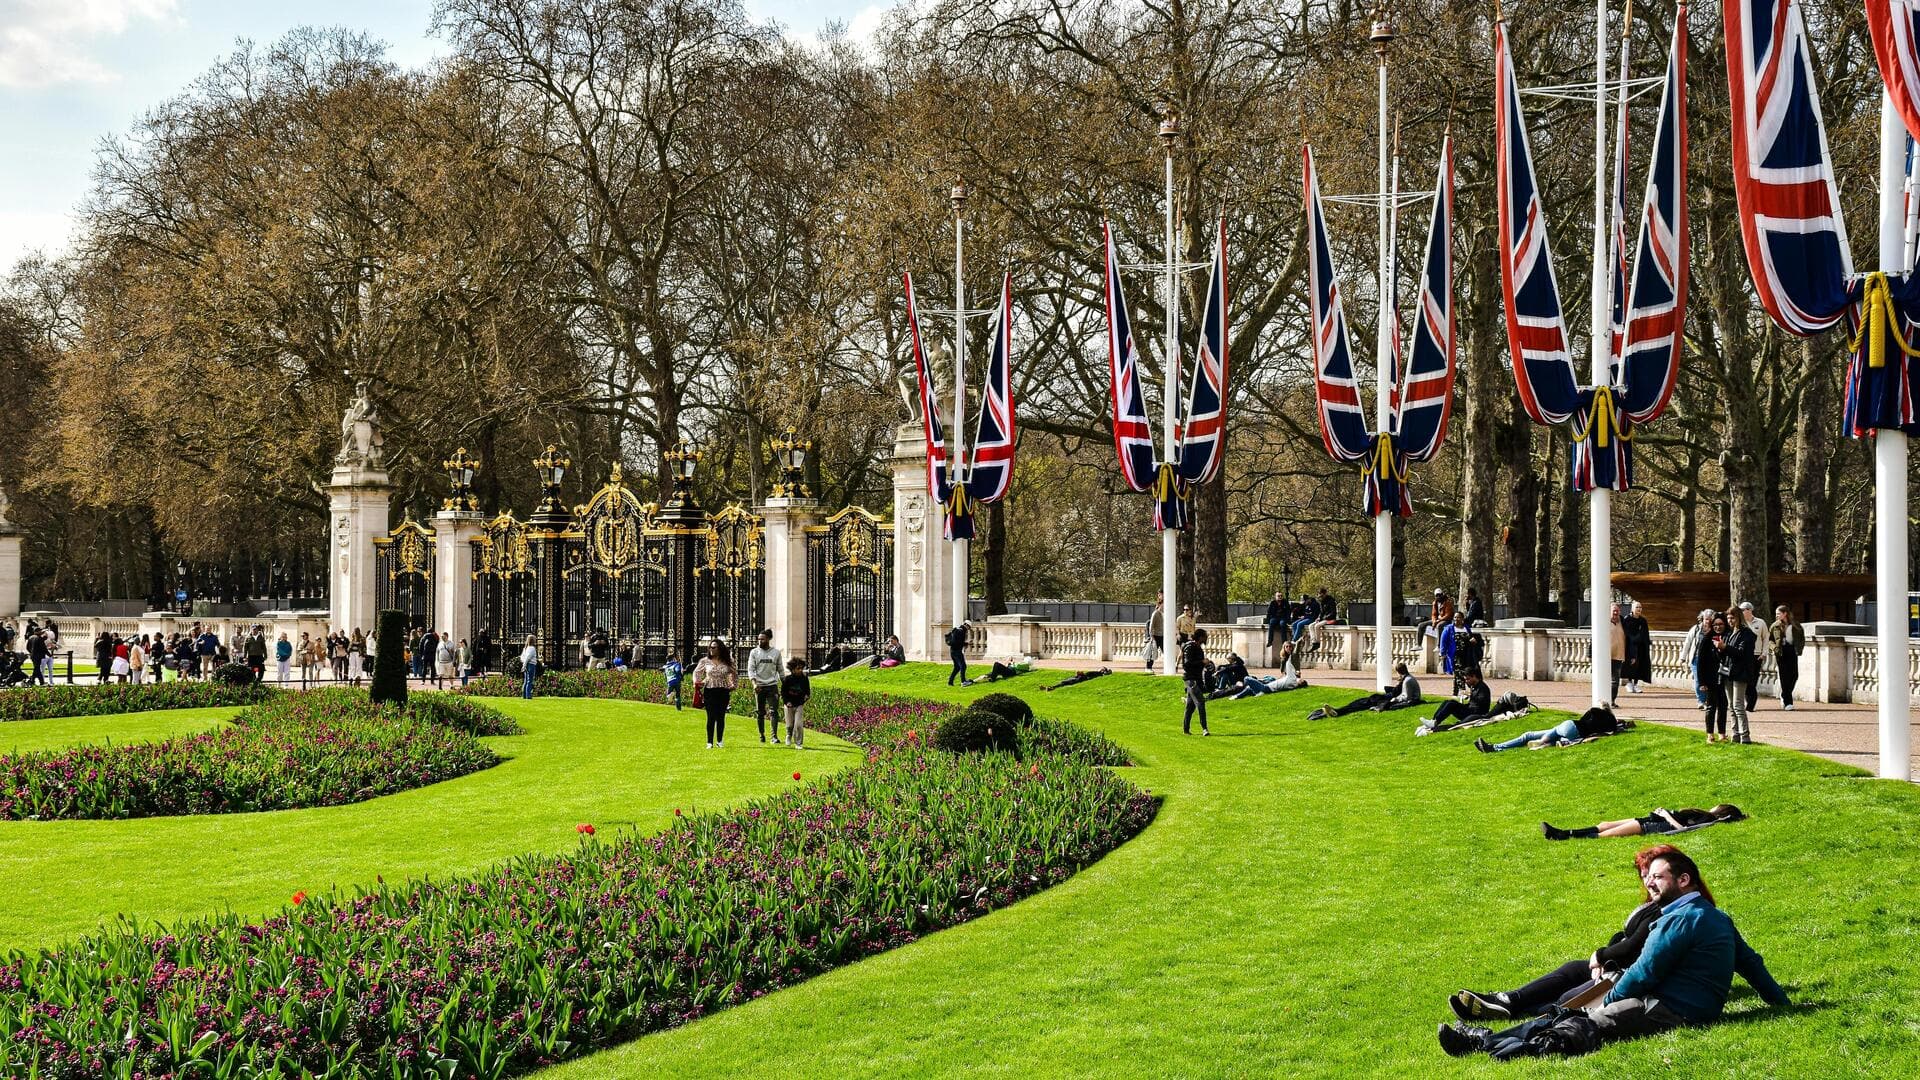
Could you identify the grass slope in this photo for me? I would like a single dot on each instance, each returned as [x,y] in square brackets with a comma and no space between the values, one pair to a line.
[1311,892]
[65,731]
[611,763]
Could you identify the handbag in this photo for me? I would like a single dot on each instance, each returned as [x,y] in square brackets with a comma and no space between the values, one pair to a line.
[699,699]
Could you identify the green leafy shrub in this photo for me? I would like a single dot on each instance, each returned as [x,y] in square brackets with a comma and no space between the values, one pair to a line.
[234,674]
[976,731]
[1013,710]
[106,699]
[320,748]
[1045,735]
[390,663]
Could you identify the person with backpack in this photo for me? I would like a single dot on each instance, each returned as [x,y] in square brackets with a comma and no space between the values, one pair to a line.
[256,652]
[795,690]
[957,649]
[1193,670]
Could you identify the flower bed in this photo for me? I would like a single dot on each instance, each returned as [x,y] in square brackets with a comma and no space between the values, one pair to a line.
[321,748]
[621,684]
[103,699]
[546,958]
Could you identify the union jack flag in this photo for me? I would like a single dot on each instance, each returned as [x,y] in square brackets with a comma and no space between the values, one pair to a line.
[1617,264]
[1343,424]
[1795,239]
[1657,304]
[1132,432]
[1424,399]
[1895,26]
[991,473]
[929,404]
[1536,325]
[1203,429]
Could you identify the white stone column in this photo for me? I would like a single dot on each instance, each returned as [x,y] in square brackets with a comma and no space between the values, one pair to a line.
[359,498]
[10,541]
[454,532]
[784,523]
[921,586]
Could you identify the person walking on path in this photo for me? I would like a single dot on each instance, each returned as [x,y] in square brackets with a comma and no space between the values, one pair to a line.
[1639,642]
[465,661]
[1450,635]
[1787,641]
[1617,646]
[957,650]
[136,661]
[444,659]
[357,655]
[103,655]
[256,651]
[1193,668]
[763,668]
[1760,642]
[529,666]
[713,682]
[482,653]
[1711,667]
[283,658]
[675,671]
[1690,648]
[1185,625]
[1156,630]
[795,689]
[1742,651]
[1276,619]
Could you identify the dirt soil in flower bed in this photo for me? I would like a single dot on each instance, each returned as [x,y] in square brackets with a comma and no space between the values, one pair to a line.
[321,748]
[110,699]
[546,958]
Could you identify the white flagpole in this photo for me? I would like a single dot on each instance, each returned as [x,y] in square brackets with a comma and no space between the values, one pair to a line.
[1891,566]
[1382,35]
[958,440]
[1170,538]
[1599,500]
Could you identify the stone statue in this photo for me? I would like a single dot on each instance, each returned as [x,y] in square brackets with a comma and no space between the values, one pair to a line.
[908,381]
[4,507]
[359,430]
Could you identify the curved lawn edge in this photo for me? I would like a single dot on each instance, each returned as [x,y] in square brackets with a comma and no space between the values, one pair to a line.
[579,952]
[109,699]
[292,752]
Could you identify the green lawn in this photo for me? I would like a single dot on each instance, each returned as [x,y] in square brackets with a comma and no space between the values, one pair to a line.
[1308,895]
[615,764]
[55,734]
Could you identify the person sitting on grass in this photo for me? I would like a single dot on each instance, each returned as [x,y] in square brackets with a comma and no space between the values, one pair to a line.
[1658,823]
[1401,695]
[1255,685]
[1475,702]
[1596,721]
[892,654]
[1574,979]
[1228,676]
[1682,977]
[1003,671]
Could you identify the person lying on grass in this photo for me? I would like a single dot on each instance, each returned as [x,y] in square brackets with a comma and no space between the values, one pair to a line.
[1682,977]
[1593,723]
[1255,685]
[1655,824]
[1401,695]
[1003,671]
[1079,677]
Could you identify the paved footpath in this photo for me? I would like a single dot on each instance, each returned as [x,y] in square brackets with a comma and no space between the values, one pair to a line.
[1849,734]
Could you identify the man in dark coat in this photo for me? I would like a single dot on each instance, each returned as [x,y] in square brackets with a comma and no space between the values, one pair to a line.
[1639,637]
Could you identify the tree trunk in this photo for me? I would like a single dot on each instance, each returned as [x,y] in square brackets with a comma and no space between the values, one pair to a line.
[1747,540]
[993,561]
[1397,584]
[1690,515]
[1210,550]
[1478,432]
[1812,459]
[1568,567]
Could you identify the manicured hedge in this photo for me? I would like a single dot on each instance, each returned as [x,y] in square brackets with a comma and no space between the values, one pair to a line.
[545,958]
[320,748]
[105,699]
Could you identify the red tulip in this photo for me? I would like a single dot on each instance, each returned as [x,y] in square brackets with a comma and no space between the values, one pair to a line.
[676,811]
[584,828]
[796,776]
[299,898]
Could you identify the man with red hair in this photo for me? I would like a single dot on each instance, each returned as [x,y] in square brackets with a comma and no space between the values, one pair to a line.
[1682,976]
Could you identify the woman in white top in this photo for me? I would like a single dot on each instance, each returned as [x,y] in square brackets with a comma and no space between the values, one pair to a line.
[136,661]
[714,680]
[529,667]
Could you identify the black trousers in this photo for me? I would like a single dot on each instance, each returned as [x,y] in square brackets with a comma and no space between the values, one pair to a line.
[1753,686]
[1627,1018]
[1454,710]
[716,702]
[766,709]
[1788,663]
[1196,702]
[1371,701]
[1617,665]
[959,667]
[1550,989]
[1717,706]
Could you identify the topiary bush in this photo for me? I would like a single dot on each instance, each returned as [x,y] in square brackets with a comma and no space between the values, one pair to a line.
[976,731]
[233,674]
[390,663]
[1009,708]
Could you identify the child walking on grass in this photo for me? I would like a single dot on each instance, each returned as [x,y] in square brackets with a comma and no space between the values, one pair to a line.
[675,673]
[795,689]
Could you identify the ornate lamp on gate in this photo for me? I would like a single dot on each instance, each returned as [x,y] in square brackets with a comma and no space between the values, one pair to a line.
[552,467]
[683,459]
[790,454]
[460,469]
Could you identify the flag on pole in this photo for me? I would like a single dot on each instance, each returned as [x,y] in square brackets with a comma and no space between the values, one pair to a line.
[1657,302]
[1790,223]
[1617,262]
[1425,401]
[1536,324]
[929,403]
[1343,424]
[991,473]
[1895,26]
[1203,430]
[1132,431]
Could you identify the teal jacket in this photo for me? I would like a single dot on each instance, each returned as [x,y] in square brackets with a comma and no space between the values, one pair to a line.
[1689,962]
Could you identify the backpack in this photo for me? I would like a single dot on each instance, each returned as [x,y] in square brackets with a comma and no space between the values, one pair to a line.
[1557,1033]
[1511,701]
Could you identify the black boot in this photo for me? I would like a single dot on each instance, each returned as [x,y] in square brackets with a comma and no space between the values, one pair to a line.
[1552,833]
[1459,1040]
[1588,833]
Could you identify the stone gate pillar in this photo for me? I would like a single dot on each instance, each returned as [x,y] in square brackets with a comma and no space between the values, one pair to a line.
[784,522]
[454,534]
[10,542]
[922,586]
[360,494]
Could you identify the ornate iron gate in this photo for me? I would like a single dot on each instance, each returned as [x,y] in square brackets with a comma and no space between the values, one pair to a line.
[506,605]
[403,572]
[849,587]
[729,595]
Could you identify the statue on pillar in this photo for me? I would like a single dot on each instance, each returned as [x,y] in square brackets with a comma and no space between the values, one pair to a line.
[5,525]
[359,431]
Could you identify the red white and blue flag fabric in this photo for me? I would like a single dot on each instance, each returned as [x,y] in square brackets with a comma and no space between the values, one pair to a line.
[929,402]
[1425,398]
[1536,324]
[1343,424]
[1895,26]
[991,472]
[1132,431]
[1883,376]
[1790,223]
[1657,296]
[1203,431]
[1617,262]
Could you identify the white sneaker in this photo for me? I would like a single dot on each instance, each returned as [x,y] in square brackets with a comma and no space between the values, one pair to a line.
[709,746]
[1788,706]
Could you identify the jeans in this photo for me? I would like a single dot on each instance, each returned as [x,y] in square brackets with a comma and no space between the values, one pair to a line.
[1564,732]
[527,675]
[1699,692]
[766,709]
[796,724]
[1788,663]
[716,702]
[674,686]
[959,667]
[1739,701]
[1300,627]
[1196,701]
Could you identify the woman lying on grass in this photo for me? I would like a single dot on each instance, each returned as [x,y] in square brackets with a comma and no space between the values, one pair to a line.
[1593,723]
[1655,824]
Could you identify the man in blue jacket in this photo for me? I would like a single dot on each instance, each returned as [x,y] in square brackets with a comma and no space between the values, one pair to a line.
[1683,977]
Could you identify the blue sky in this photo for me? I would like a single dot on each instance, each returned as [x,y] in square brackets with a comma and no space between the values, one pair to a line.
[75,71]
